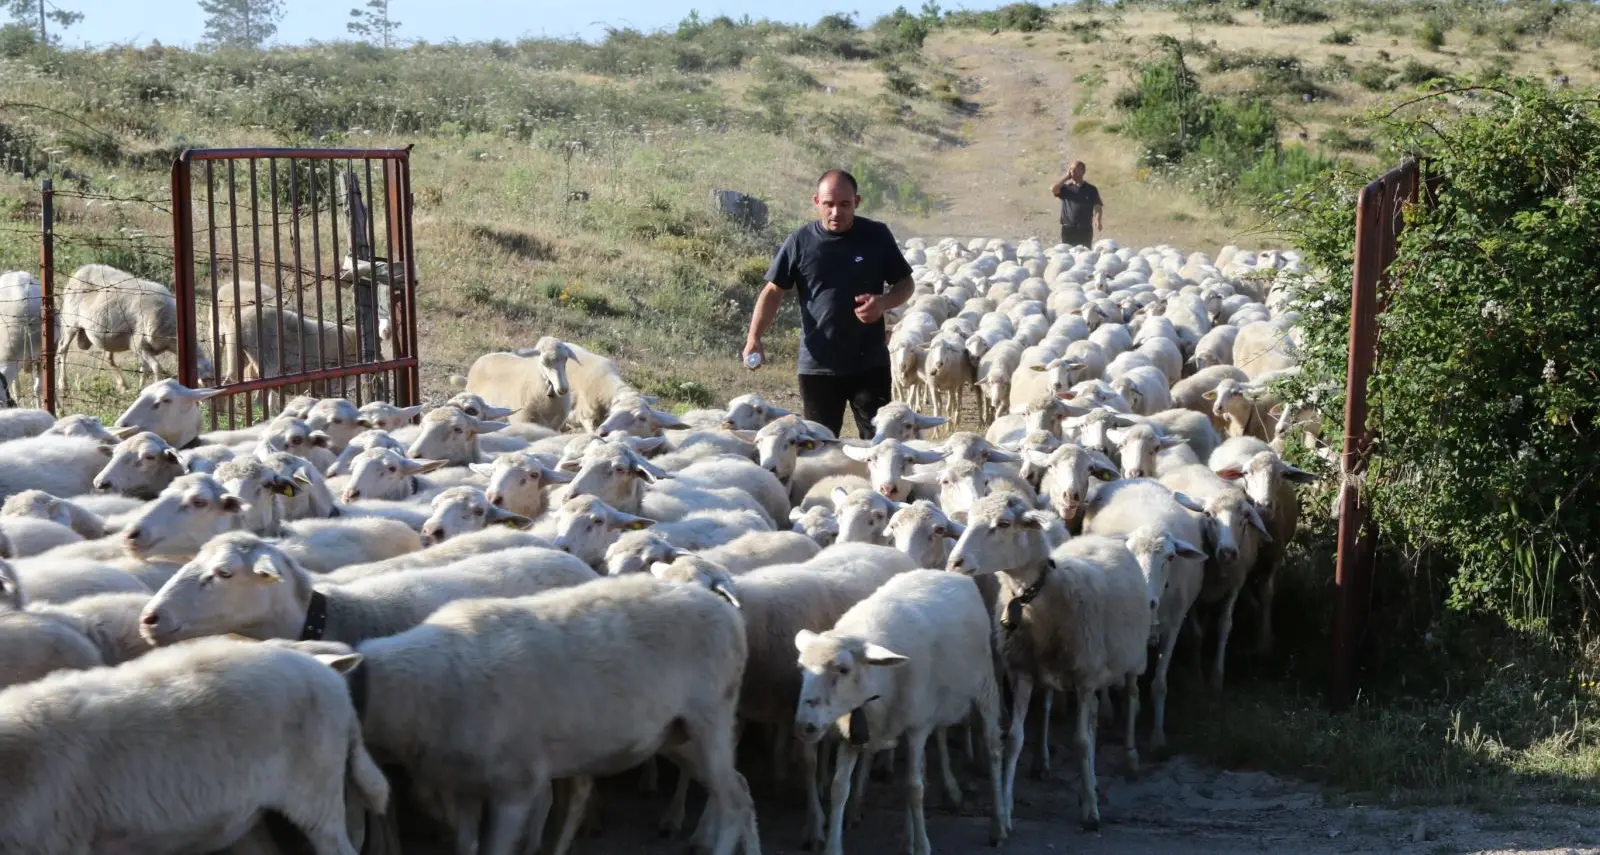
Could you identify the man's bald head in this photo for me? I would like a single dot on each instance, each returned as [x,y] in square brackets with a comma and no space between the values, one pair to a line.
[1077,169]
[836,200]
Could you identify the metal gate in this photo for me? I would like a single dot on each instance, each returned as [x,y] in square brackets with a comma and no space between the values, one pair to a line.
[294,273]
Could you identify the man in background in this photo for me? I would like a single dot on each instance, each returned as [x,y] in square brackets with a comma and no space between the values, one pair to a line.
[1080,207]
[838,264]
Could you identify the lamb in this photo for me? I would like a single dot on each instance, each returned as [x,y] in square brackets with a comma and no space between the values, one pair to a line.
[909,659]
[635,551]
[240,583]
[1145,389]
[889,461]
[383,473]
[799,458]
[1098,393]
[89,787]
[532,382]
[363,441]
[41,505]
[863,514]
[1164,539]
[386,417]
[168,409]
[922,531]
[59,465]
[1031,382]
[1076,616]
[1235,534]
[21,298]
[1269,482]
[678,651]
[966,445]
[517,482]
[898,421]
[463,510]
[141,466]
[635,417]
[586,526]
[450,435]
[817,523]
[1137,447]
[107,309]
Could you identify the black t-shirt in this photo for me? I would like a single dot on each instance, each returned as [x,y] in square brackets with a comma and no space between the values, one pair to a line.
[829,271]
[1077,204]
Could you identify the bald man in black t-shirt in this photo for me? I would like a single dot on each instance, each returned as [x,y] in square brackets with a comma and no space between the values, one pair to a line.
[1080,207]
[838,265]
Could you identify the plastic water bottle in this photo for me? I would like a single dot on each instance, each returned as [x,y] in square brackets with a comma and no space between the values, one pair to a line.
[753,361]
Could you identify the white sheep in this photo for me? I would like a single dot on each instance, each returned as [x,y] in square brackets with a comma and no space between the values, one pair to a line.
[909,659]
[451,435]
[1074,616]
[1265,346]
[1066,476]
[532,382]
[59,465]
[863,514]
[34,645]
[817,523]
[41,505]
[113,311]
[363,441]
[1215,347]
[88,785]
[21,298]
[889,461]
[253,347]
[922,531]
[896,420]
[499,539]
[28,536]
[994,379]
[595,381]
[586,526]
[77,424]
[946,372]
[383,473]
[109,621]
[518,482]
[386,417]
[635,551]
[1030,382]
[141,466]
[168,409]
[1145,389]
[1269,481]
[463,510]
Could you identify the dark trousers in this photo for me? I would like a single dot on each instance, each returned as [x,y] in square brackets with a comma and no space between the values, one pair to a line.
[823,397]
[1077,235]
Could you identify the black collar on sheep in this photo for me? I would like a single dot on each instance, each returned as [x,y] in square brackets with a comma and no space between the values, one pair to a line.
[1013,616]
[859,733]
[316,618]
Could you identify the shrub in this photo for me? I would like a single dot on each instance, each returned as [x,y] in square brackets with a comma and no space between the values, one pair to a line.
[1416,73]
[1340,139]
[1339,37]
[1485,400]
[1022,17]
[1375,77]
[1292,12]
[1431,34]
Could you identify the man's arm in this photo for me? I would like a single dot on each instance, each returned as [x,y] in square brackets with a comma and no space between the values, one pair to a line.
[1099,226]
[870,308]
[765,313]
[1055,189]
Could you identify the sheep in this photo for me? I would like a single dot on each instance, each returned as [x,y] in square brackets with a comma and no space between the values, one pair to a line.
[889,461]
[586,526]
[1145,389]
[1164,354]
[35,645]
[1264,346]
[206,458]
[438,706]
[1074,616]
[1164,539]
[1190,393]
[965,445]
[863,514]
[27,536]
[109,621]
[946,372]
[88,787]
[1215,347]
[533,382]
[1088,360]
[168,409]
[451,435]
[1269,481]
[799,458]
[1113,339]
[1029,382]
[383,473]
[107,309]
[59,465]
[78,424]
[922,531]
[1189,317]
[239,583]
[912,657]
[994,379]
[817,523]
[21,298]
[898,421]
[617,474]
[386,417]
[635,551]
[1235,535]
[517,482]
[1066,473]
[141,466]
[41,505]
[905,367]
[463,510]
[962,483]
[594,381]
[751,412]
[254,347]
[361,442]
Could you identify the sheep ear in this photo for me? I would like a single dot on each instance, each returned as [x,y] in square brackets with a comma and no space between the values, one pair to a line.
[925,422]
[410,413]
[838,495]
[804,639]
[721,589]
[1231,473]
[484,469]
[1116,435]
[1101,467]
[1185,549]
[320,439]
[342,663]
[623,521]
[1037,367]
[668,421]
[1255,522]
[950,529]
[567,353]
[200,394]
[745,435]
[123,432]
[267,569]
[556,476]
[1276,412]
[484,426]
[1209,394]
[1170,441]
[995,455]
[419,466]
[1297,475]
[570,465]
[172,456]
[924,457]
[645,444]
[301,477]
[879,655]
[233,504]
[926,479]
[501,516]
[105,450]
[857,453]
[282,487]
[1188,501]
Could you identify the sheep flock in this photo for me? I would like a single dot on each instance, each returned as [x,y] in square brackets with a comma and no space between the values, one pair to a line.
[468,613]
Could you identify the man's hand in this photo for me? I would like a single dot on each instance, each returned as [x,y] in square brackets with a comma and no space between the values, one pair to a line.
[753,345]
[869,309]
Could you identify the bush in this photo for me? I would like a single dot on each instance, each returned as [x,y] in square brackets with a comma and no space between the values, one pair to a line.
[1022,17]
[1415,73]
[1340,139]
[1375,77]
[1339,37]
[1485,401]
[1431,34]
[1292,12]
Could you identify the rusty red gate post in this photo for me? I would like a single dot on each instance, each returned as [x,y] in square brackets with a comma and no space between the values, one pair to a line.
[1378,226]
[47,295]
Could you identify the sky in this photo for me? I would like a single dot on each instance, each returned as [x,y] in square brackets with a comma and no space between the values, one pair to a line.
[180,22]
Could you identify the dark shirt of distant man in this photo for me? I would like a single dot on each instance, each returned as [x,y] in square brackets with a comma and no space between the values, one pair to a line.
[1080,207]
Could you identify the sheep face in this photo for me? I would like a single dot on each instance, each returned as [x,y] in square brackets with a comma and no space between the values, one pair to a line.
[168,409]
[686,569]
[613,473]
[140,466]
[1156,551]
[974,448]
[291,436]
[862,515]
[889,462]
[780,444]
[817,523]
[384,416]
[231,585]
[363,441]
[205,458]
[450,435]
[899,421]
[298,407]
[636,551]
[1261,475]
[923,532]
[1002,535]
[837,676]
[1067,474]
[39,505]
[259,487]
[84,426]
[751,412]
[1137,447]
[463,510]
[552,355]
[1098,393]
[996,391]
[382,473]
[190,511]
[639,419]
[961,484]
[1225,521]
[517,482]
[337,419]
[586,527]
[1057,375]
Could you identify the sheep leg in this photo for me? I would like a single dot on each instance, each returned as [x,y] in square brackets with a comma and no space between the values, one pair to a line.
[509,817]
[858,792]
[815,834]
[729,818]
[1264,630]
[966,736]
[1130,744]
[468,819]
[1083,739]
[122,382]
[649,777]
[1158,690]
[582,787]
[148,363]
[782,734]
[988,708]
[952,787]
[672,820]
[1224,626]
[1021,694]
[1041,765]
[844,767]
[917,819]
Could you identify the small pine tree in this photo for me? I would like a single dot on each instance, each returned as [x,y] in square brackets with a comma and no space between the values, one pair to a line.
[246,24]
[373,22]
[36,15]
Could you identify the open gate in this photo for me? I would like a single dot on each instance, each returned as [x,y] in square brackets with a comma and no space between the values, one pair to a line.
[294,273]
